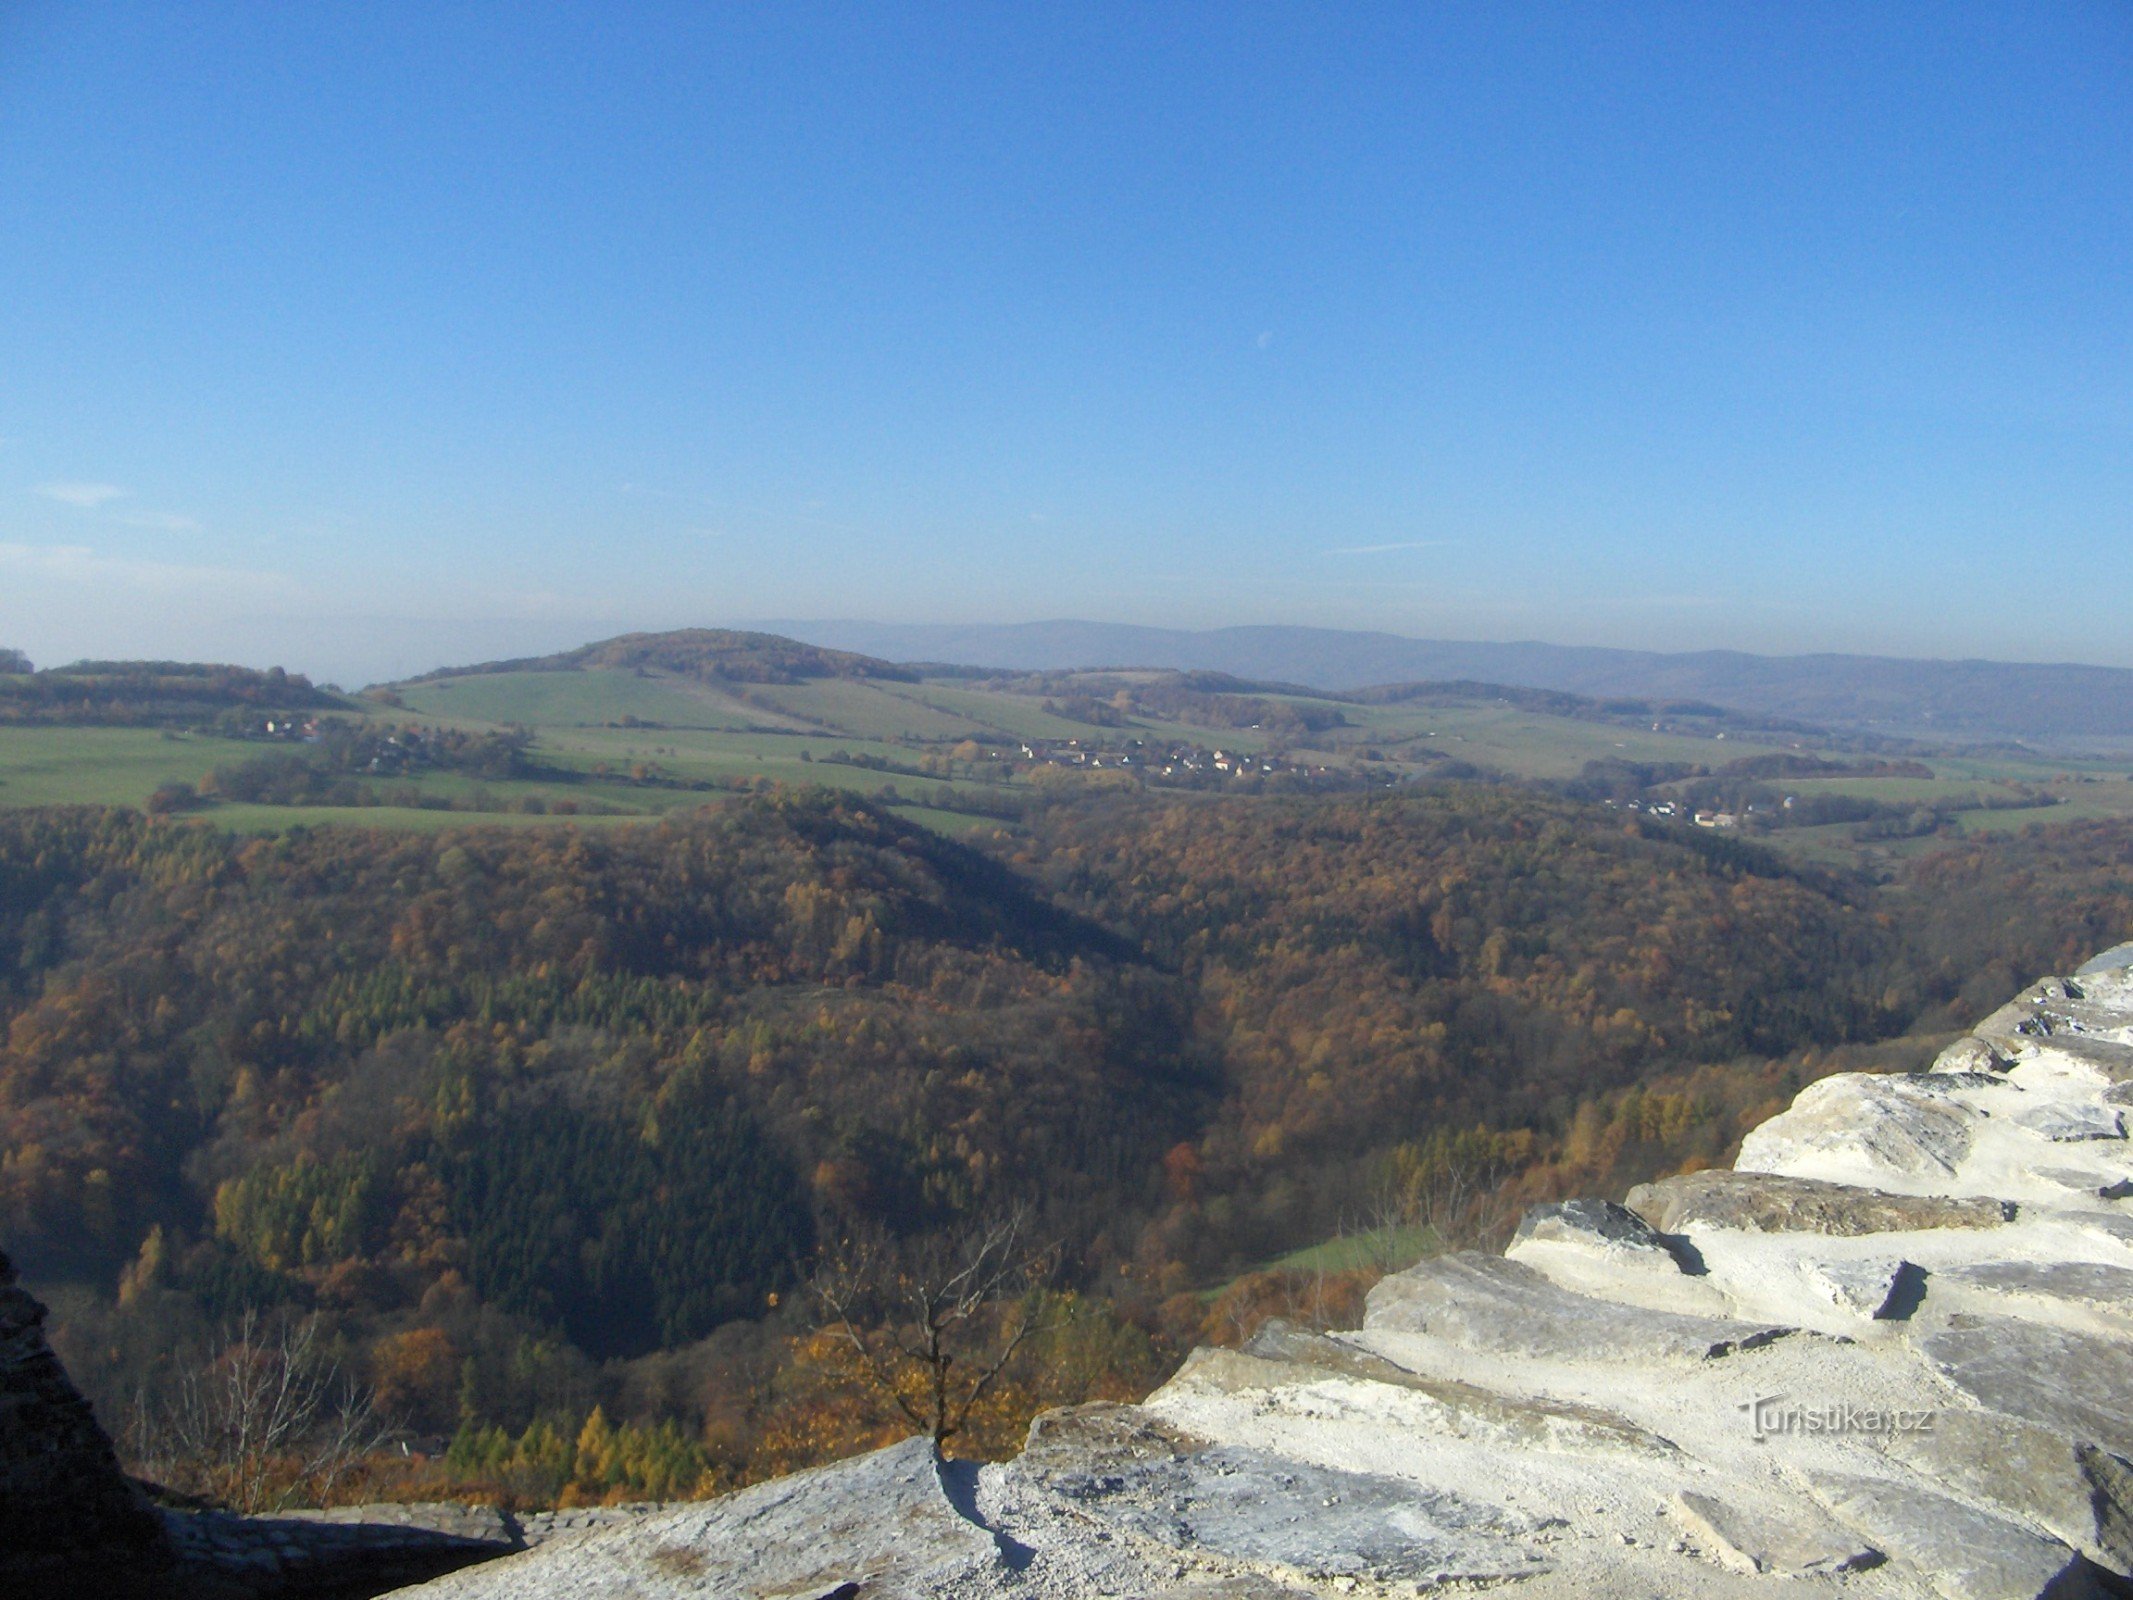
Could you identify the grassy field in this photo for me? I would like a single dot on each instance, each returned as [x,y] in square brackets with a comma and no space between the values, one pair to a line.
[2115,800]
[1389,1247]
[1023,716]
[612,746]
[1527,744]
[578,699]
[99,766]
[867,710]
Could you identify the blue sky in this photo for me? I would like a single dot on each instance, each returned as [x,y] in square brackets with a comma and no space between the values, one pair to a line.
[367,337]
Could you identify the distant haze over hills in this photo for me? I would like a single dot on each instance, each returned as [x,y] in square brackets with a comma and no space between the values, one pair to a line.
[1969,699]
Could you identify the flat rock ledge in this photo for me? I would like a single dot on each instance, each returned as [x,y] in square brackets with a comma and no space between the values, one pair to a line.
[353,1551]
[1889,1355]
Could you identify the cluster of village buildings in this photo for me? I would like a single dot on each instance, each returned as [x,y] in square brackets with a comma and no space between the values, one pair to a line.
[1701,818]
[1159,760]
[285,726]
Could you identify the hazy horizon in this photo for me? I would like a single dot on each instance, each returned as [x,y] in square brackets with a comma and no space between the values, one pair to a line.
[399,649]
[366,339]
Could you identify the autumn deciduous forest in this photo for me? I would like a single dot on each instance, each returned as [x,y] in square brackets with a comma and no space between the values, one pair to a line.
[543,1134]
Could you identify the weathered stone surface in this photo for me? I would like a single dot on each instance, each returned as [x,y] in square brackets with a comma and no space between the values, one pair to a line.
[2109,1225]
[2086,1181]
[2012,1026]
[2110,1503]
[2111,1059]
[1317,1522]
[1593,1224]
[70,1523]
[1283,1356]
[479,1524]
[2102,1291]
[1504,1307]
[2039,1475]
[1173,1506]
[538,1527]
[2078,1384]
[1598,1247]
[2118,957]
[1790,1539]
[1969,1554]
[1099,1438]
[2066,1122]
[1280,1340]
[1869,1125]
[2086,1019]
[882,1525]
[1881,1289]
[1763,1202]
[1970,1056]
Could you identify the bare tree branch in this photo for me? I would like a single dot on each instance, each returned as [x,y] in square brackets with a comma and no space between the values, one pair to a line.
[950,1315]
[268,1419]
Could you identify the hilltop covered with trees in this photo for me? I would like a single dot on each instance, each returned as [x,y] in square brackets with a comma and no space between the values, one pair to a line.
[713,653]
[150,693]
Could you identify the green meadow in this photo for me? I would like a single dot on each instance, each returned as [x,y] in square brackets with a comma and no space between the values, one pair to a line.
[1528,744]
[612,745]
[100,766]
[578,699]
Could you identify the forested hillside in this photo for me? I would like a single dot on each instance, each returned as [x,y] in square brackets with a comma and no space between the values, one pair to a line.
[726,653]
[151,694]
[502,1106]
[245,1038]
[1369,972]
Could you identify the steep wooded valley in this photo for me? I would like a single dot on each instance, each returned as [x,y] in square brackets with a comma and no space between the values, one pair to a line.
[546,1131]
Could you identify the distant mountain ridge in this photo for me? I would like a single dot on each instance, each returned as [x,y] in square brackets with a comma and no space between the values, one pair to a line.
[1967,699]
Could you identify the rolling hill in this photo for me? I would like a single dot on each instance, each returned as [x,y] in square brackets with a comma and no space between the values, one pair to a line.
[150,693]
[642,725]
[716,653]
[2063,703]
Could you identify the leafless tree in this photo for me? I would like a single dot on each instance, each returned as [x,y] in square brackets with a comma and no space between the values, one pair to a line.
[1447,1205]
[269,1419]
[1465,1207]
[934,1326]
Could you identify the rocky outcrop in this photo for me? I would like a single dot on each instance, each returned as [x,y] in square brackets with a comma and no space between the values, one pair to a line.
[1757,1202]
[70,1522]
[890,1522]
[73,1525]
[340,1554]
[1889,1355]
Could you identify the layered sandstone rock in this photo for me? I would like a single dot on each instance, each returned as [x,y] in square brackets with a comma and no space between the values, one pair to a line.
[1889,1355]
